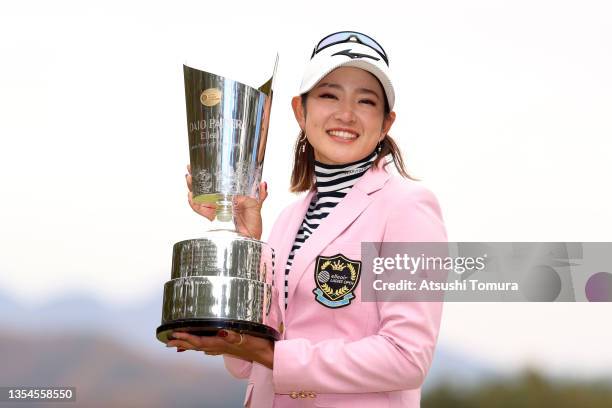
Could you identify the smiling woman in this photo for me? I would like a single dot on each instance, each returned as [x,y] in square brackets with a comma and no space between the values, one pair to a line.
[343,116]
[337,349]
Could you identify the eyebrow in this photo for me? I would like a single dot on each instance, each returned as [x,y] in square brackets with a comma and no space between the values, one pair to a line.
[336,86]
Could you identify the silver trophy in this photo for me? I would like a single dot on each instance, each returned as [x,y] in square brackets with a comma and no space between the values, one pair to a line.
[223,280]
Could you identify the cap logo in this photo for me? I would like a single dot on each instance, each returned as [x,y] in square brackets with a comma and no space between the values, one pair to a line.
[353,55]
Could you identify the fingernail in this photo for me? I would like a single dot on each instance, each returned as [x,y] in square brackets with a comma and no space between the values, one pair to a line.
[186,174]
[266,185]
[222,333]
[179,350]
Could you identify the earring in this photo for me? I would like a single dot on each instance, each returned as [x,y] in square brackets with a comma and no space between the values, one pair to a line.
[378,148]
[302,141]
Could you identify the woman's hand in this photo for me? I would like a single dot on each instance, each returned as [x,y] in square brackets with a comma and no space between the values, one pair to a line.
[247,210]
[244,346]
[204,209]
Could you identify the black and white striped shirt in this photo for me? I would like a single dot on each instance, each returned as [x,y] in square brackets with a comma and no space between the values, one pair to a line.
[333,181]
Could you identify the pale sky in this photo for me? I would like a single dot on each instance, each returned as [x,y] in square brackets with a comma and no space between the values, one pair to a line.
[503,110]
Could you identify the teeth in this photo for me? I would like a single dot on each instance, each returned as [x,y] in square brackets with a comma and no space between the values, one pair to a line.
[342,134]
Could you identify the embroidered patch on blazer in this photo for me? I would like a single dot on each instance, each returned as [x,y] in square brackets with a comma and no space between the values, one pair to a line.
[336,278]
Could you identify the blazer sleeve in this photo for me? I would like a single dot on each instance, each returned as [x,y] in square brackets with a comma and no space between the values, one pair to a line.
[399,355]
[237,367]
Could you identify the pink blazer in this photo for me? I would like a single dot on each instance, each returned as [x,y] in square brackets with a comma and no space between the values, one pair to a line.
[365,354]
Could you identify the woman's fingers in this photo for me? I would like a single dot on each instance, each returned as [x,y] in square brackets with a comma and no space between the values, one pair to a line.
[225,342]
[192,342]
[263,192]
[247,202]
[247,210]
[180,344]
[206,210]
[232,337]
[188,179]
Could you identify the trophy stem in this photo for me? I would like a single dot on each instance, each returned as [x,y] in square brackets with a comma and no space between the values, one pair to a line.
[224,218]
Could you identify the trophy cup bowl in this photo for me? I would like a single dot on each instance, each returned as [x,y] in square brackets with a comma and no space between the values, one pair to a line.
[223,280]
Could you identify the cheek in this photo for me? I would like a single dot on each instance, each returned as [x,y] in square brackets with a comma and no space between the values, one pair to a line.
[313,123]
[375,124]
[317,115]
[371,131]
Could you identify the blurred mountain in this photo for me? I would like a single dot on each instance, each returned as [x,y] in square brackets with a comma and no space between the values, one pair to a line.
[106,373]
[132,325]
[454,369]
[528,389]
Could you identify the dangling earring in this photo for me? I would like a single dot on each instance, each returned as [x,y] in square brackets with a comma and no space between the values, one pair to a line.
[378,148]
[302,141]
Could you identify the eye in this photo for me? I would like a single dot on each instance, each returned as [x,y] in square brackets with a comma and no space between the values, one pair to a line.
[368,102]
[327,96]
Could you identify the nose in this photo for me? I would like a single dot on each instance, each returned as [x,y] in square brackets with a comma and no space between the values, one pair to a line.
[345,113]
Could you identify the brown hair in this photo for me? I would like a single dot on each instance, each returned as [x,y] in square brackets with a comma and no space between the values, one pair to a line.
[302,175]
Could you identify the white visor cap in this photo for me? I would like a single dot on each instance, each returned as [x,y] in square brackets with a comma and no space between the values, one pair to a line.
[348,54]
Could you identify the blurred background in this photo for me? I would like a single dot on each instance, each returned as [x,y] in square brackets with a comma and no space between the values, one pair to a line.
[503,111]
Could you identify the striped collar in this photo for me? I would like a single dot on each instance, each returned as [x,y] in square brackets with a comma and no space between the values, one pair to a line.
[334,177]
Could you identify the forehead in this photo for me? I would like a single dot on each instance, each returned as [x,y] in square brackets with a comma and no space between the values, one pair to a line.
[352,78]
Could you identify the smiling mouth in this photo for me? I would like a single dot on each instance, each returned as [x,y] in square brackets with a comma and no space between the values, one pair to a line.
[343,134]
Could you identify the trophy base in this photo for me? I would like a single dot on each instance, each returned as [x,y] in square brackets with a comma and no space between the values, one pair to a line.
[210,327]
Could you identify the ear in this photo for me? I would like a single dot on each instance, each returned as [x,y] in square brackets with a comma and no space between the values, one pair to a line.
[387,123]
[298,111]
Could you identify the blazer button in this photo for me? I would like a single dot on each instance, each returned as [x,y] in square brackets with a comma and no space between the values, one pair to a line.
[312,394]
[303,394]
[294,394]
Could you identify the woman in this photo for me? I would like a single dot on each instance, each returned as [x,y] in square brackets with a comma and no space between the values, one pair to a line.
[338,351]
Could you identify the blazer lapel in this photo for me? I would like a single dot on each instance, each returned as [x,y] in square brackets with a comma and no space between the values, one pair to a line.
[283,249]
[340,217]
